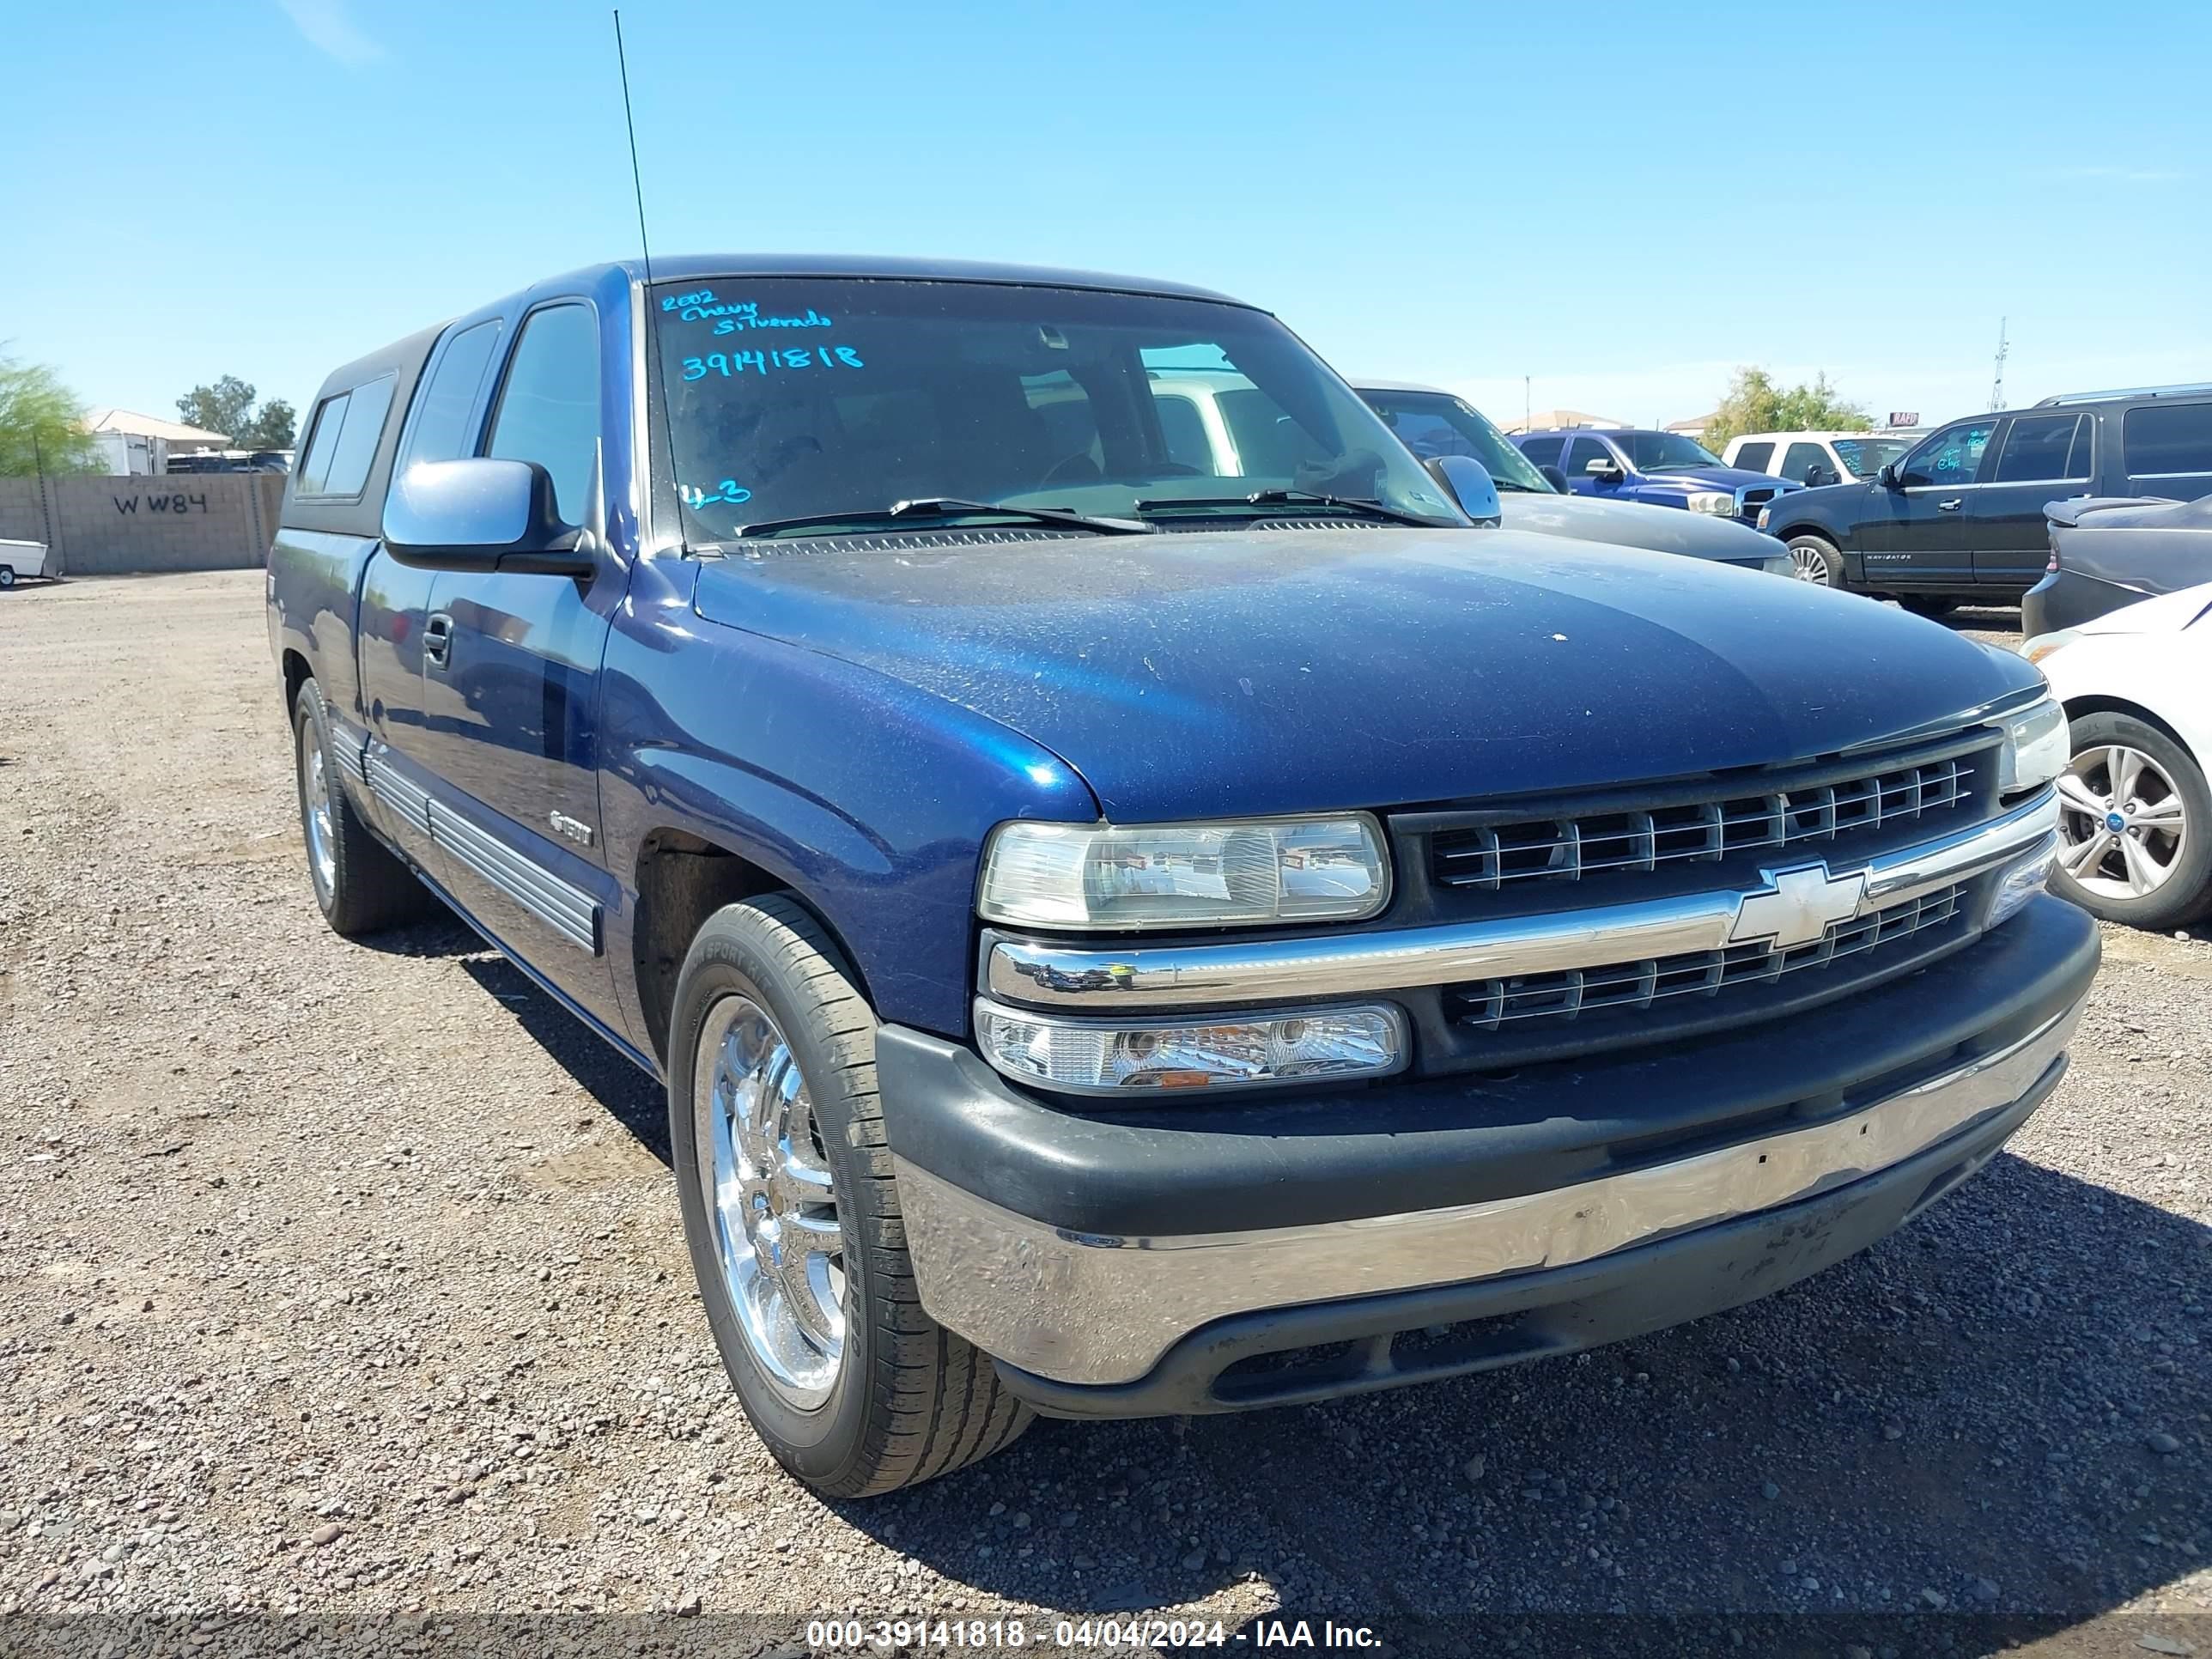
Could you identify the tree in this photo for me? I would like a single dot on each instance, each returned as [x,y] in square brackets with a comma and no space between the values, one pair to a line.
[226,407]
[272,428]
[1755,403]
[42,423]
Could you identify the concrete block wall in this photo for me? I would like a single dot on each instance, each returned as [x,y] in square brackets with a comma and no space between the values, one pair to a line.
[106,525]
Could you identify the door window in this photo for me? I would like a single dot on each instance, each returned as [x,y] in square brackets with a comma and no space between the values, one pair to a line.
[1753,458]
[2167,440]
[549,409]
[1951,458]
[2045,449]
[1798,460]
[1582,452]
[1544,452]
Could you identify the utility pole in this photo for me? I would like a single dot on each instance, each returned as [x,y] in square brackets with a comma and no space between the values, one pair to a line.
[1996,386]
[1524,402]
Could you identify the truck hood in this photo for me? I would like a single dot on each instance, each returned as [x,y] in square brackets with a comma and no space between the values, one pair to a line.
[1713,478]
[1635,524]
[1258,671]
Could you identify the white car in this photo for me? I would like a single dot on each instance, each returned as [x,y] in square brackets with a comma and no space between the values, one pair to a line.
[1814,458]
[19,561]
[2135,815]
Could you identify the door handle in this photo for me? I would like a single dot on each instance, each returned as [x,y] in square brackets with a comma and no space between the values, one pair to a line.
[1951,505]
[437,639]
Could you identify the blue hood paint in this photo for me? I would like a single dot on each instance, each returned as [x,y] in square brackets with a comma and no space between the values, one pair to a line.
[1708,478]
[1256,672]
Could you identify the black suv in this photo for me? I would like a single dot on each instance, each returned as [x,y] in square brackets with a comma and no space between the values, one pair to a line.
[1959,519]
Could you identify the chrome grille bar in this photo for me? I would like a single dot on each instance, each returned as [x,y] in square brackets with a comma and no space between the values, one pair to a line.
[1635,986]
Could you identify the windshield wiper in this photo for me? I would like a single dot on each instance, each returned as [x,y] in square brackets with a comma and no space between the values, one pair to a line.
[949,507]
[1296,498]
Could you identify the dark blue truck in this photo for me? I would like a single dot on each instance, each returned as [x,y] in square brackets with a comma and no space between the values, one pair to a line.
[1658,469]
[1127,927]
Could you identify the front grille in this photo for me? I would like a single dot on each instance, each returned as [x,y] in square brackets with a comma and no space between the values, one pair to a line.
[1636,987]
[1752,500]
[1492,857]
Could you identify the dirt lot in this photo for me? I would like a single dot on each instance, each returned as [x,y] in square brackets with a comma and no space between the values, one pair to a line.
[346,1278]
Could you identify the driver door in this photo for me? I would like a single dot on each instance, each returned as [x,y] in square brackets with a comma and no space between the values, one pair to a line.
[1923,538]
[1581,452]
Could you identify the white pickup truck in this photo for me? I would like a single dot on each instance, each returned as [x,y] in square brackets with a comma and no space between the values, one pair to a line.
[21,559]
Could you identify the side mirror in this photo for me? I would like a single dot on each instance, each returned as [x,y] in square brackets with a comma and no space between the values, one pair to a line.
[1467,482]
[1600,468]
[1555,477]
[1816,475]
[1889,478]
[482,514]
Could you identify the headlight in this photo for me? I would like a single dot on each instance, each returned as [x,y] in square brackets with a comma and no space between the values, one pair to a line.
[1720,502]
[1185,875]
[2023,878]
[1764,515]
[1781,564]
[2035,749]
[2044,644]
[1086,1057]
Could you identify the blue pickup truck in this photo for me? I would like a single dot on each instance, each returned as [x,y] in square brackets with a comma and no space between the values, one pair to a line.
[1129,928]
[1658,469]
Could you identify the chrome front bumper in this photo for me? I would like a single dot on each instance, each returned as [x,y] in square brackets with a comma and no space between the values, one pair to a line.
[1091,1310]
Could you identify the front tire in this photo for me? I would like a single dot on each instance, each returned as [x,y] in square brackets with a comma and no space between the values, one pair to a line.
[791,1215]
[7,576]
[1816,559]
[2153,867]
[361,886]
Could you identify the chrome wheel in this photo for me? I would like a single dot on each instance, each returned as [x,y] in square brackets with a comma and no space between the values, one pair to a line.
[315,811]
[769,1199]
[1808,564]
[2122,824]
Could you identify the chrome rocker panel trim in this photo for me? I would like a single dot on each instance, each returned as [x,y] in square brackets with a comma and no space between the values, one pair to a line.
[1361,963]
[1083,1309]
[567,909]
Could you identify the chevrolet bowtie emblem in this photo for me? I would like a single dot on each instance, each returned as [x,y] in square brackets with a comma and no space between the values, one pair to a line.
[1799,906]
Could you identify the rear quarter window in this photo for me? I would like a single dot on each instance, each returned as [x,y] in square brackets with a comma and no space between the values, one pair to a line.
[347,428]
[1753,458]
[2166,441]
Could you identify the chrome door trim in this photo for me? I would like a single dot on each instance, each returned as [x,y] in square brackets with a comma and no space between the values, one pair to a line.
[565,908]
[1041,974]
[1088,1308]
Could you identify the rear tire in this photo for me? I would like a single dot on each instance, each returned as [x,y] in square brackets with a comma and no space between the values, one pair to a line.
[2171,806]
[1816,559]
[7,576]
[777,1134]
[360,885]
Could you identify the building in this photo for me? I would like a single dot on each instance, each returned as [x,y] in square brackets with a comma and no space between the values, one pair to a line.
[140,445]
[1695,426]
[1557,420]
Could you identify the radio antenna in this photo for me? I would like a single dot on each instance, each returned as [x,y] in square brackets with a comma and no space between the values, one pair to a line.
[645,247]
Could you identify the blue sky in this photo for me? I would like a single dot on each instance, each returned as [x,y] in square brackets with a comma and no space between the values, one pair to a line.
[1622,209]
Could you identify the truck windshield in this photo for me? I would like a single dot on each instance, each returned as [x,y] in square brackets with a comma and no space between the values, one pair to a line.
[1656,452]
[1433,423]
[804,400]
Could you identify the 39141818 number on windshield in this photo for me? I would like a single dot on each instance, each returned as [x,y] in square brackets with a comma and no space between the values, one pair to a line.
[728,363]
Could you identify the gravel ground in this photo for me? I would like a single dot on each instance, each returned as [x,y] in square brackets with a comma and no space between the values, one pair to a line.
[348,1280]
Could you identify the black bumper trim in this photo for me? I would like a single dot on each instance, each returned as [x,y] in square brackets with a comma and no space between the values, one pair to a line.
[1370,1343]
